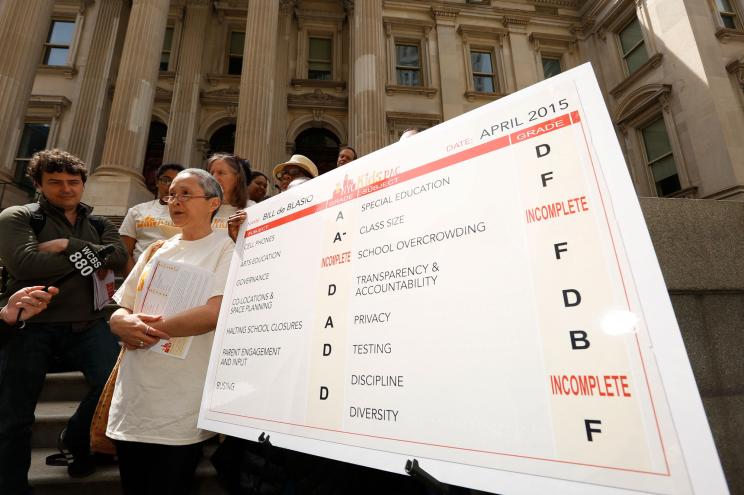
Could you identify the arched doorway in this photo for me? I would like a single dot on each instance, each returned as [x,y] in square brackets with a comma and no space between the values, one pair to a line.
[154,154]
[223,140]
[320,145]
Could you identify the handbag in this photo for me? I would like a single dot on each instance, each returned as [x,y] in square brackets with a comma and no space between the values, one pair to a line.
[99,442]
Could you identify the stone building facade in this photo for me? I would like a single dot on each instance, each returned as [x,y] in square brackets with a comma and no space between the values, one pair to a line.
[128,84]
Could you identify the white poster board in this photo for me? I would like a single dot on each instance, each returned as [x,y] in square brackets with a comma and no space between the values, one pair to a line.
[482,297]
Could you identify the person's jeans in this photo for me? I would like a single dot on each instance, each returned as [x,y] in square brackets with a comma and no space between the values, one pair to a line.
[26,359]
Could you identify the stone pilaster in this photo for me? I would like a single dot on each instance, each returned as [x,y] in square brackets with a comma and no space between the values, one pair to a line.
[451,83]
[255,109]
[117,184]
[24,25]
[367,77]
[180,143]
[90,108]
[525,72]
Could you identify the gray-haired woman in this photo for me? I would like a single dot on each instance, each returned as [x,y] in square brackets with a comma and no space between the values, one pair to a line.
[156,400]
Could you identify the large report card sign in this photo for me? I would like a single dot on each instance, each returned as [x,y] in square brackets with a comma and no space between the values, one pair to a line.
[482,297]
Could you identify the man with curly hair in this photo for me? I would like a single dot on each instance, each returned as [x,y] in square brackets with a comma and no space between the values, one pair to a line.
[36,243]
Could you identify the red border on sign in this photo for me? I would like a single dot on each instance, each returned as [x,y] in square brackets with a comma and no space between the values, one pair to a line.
[557,123]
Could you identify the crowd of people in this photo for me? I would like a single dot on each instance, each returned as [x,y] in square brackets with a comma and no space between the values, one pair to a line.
[52,320]
[153,412]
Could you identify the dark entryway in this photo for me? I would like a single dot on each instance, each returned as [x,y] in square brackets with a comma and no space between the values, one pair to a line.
[154,154]
[223,140]
[319,145]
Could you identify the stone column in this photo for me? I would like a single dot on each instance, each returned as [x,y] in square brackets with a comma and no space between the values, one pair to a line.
[255,108]
[367,77]
[180,142]
[451,81]
[91,106]
[117,184]
[24,25]
[278,152]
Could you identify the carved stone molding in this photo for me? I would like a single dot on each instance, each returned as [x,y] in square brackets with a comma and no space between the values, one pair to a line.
[687,193]
[468,31]
[650,64]
[569,4]
[520,22]
[57,104]
[163,95]
[444,14]
[726,34]
[298,84]
[639,100]
[391,89]
[546,10]
[348,7]
[317,100]
[401,120]
[230,9]
[478,95]
[219,97]
[287,6]
[737,69]
[727,193]
[215,79]
[84,4]
[66,70]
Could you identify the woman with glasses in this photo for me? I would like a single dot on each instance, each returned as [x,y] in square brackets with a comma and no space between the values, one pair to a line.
[148,222]
[156,399]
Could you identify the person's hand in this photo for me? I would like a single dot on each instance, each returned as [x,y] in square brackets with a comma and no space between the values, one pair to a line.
[135,332]
[234,222]
[30,300]
[53,246]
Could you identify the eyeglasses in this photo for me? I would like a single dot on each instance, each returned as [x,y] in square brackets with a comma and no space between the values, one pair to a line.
[164,180]
[182,198]
[293,172]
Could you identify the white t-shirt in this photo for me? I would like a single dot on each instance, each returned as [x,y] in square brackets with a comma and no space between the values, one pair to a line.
[157,397]
[147,223]
[219,222]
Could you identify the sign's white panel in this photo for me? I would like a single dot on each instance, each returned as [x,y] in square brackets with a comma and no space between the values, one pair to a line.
[483,297]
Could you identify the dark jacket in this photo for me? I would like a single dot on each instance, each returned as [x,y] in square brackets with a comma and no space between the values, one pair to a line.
[27,266]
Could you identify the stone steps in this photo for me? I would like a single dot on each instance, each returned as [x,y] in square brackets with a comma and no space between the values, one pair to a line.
[51,418]
[64,387]
[59,399]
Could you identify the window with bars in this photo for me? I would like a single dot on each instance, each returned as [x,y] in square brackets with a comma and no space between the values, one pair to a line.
[659,157]
[57,46]
[728,13]
[165,55]
[33,139]
[551,66]
[319,65]
[408,64]
[235,53]
[484,80]
[633,46]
